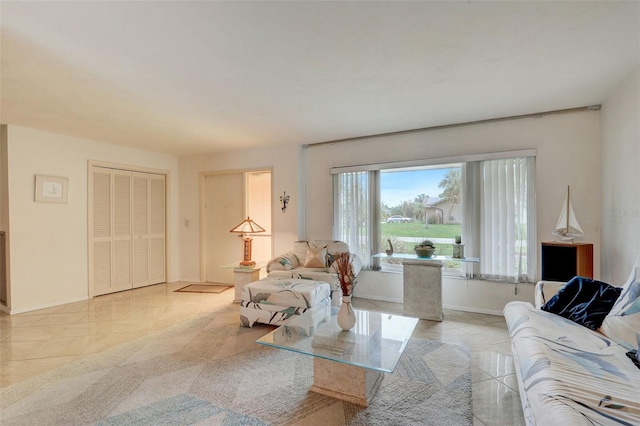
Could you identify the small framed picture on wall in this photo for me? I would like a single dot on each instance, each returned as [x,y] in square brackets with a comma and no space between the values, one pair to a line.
[51,189]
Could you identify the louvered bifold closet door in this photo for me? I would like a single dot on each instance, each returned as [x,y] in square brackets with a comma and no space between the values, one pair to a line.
[140,229]
[157,228]
[148,229]
[127,230]
[101,241]
[122,277]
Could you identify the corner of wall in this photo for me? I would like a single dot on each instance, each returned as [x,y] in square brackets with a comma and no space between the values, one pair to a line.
[620,156]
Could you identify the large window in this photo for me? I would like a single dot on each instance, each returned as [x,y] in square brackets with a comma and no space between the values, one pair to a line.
[488,202]
[417,204]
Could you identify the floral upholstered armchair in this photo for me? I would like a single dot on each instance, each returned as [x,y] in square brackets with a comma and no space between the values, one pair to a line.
[313,260]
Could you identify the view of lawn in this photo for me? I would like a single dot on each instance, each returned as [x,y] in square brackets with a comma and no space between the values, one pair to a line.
[418,230]
[397,231]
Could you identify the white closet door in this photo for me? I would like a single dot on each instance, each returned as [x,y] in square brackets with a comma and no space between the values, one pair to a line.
[157,228]
[127,230]
[122,279]
[101,241]
[140,229]
[148,229]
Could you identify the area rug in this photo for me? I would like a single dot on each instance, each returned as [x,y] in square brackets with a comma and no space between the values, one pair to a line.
[205,288]
[204,373]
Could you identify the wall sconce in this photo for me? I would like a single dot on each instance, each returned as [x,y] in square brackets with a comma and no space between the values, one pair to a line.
[284,199]
[245,227]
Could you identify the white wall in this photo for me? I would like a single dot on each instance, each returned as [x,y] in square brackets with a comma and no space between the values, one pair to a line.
[568,153]
[457,293]
[4,216]
[48,242]
[620,186]
[283,160]
[4,200]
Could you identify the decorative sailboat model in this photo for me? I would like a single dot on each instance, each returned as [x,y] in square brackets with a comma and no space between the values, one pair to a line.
[568,227]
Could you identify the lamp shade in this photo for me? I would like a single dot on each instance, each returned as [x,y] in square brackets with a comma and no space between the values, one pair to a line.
[247,226]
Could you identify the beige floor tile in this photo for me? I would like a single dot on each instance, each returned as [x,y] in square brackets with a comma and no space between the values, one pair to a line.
[107,341]
[45,311]
[511,381]
[40,341]
[21,320]
[17,371]
[477,422]
[494,403]
[64,318]
[14,351]
[88,328]
[492,363]
[64,346]
[73,307]
[133,325]
[25,334]
[477,375]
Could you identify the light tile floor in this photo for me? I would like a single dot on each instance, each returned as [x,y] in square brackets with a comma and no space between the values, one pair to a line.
[37,342]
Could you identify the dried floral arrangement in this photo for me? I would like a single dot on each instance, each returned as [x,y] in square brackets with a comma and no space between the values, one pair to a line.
[344,269]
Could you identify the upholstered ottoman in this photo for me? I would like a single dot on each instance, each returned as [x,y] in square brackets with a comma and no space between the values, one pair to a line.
[274,300]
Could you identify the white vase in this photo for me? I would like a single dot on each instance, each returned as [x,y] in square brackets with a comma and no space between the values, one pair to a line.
[346,316]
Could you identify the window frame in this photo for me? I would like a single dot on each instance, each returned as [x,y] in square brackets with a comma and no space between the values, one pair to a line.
[467,270]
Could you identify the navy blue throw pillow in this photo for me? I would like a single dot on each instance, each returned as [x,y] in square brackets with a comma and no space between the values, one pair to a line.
[584,301]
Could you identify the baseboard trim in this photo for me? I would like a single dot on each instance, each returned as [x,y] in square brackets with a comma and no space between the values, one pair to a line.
[51,305]
[474,310]
[445,306]
[382,299]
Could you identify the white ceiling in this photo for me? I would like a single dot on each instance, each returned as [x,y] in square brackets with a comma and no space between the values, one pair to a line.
[186,77]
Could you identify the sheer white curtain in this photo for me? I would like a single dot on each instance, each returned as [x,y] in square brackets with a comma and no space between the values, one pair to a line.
[507,212]
[355,212]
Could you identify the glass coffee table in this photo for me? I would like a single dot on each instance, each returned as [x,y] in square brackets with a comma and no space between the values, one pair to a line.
[347,365]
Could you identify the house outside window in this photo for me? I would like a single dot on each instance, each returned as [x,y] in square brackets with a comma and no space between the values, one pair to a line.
[419,204]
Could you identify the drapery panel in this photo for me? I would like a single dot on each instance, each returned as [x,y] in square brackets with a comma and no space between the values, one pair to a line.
[354,212]
[507,211]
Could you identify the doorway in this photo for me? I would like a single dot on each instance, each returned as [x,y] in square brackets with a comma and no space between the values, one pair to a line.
[229,198]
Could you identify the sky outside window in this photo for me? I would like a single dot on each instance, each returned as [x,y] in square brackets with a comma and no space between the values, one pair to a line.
[399,186]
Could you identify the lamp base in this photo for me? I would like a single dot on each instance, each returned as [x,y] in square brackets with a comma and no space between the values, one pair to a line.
[247,263]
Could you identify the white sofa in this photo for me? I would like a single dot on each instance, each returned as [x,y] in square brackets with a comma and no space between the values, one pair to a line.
[299,263]
[569,374]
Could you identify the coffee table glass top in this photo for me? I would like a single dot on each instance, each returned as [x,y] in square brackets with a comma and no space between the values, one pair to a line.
[376,342]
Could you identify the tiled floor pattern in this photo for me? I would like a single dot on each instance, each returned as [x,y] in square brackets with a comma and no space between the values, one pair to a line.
[39,341]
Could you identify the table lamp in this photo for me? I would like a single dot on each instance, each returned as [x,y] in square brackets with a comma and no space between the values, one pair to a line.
[245,227]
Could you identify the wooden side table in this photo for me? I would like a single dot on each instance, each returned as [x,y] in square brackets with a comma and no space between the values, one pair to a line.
[562,261]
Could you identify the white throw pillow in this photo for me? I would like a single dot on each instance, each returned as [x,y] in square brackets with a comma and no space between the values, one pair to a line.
[622,324]
[316,257]
[286,262]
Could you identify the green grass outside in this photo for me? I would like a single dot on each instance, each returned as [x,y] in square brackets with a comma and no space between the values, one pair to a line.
[418,230]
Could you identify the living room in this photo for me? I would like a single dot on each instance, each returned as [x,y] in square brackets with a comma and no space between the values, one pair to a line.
[595,151]
[600,144]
